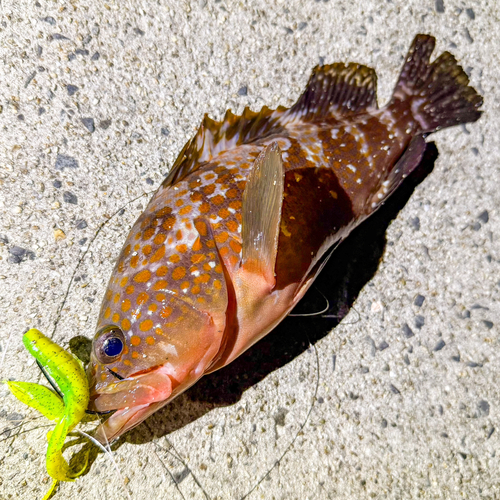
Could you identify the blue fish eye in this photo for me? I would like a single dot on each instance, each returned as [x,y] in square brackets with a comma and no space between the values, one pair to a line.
[109,344]
[113,346]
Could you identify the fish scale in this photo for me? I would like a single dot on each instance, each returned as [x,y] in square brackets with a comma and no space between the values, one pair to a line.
[245,220]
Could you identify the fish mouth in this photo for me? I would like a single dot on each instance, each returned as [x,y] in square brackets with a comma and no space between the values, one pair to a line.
[134,399]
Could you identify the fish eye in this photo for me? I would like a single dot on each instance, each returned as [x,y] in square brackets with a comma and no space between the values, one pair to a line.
[109,344]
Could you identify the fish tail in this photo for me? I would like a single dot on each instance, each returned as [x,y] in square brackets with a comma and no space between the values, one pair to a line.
[439,91]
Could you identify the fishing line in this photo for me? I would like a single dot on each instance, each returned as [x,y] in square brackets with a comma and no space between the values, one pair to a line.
[300,428]
[168,470]
[329,316]
[315,313]
[82,257]
[23,432]
[357,320]
[178,457]
[49,379]
[56,323]
[107,450]
[169,473]
[109,454]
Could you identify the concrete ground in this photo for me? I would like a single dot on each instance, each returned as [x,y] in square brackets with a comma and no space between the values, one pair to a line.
[398,401]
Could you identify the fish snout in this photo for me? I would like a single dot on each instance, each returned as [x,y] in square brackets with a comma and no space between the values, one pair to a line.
[144,389]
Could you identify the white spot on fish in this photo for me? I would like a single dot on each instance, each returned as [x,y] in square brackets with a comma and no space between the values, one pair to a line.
[351,167]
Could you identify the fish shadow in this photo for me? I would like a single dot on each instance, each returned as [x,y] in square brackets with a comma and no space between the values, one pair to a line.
[350,268]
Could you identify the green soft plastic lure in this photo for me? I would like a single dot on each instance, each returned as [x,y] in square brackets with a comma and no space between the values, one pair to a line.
[68,373]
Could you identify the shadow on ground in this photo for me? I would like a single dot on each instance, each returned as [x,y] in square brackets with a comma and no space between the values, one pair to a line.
[350,267]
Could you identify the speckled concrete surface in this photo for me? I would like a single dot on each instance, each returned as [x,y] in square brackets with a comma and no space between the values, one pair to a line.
[401,399]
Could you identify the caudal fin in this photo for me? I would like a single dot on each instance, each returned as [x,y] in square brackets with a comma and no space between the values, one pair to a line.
[439,91]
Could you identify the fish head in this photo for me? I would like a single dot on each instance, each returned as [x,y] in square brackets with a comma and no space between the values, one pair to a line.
[138,368]
[153,339]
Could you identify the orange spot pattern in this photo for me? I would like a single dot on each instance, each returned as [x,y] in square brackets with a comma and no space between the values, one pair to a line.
[142,276]
[235,246]
[197,246]
[142,298]
[162,271]
[159,254]
[204,208]
[160,285]
[179,273]
[159,239]
[146,325]
[174,259]
[169,223]
[217,200]
[165,312]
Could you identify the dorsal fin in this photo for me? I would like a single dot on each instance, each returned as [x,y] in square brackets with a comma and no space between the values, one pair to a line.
[213,137]
[336,90]
[333,91]
[261,213]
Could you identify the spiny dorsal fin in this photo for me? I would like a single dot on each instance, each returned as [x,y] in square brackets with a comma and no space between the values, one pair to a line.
[336,90]
[261,213]
[333,91]
[213,137]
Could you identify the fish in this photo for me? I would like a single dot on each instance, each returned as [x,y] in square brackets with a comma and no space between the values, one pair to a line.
[246,219]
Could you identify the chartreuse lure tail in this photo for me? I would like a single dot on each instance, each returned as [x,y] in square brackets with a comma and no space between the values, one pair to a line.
[69,375]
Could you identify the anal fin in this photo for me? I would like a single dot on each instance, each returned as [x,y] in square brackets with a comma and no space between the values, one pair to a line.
[261,213]
[408,161]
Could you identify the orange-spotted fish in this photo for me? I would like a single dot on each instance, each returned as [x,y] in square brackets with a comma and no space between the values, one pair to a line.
[246,219]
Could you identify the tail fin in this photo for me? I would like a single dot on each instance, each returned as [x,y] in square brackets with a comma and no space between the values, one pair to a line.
[439,90]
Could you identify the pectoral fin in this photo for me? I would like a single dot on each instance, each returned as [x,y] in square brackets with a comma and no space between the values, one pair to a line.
[261,213]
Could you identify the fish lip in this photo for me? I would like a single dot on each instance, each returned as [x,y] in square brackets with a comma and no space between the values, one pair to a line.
[116,385]
[116,425]
[143,387]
